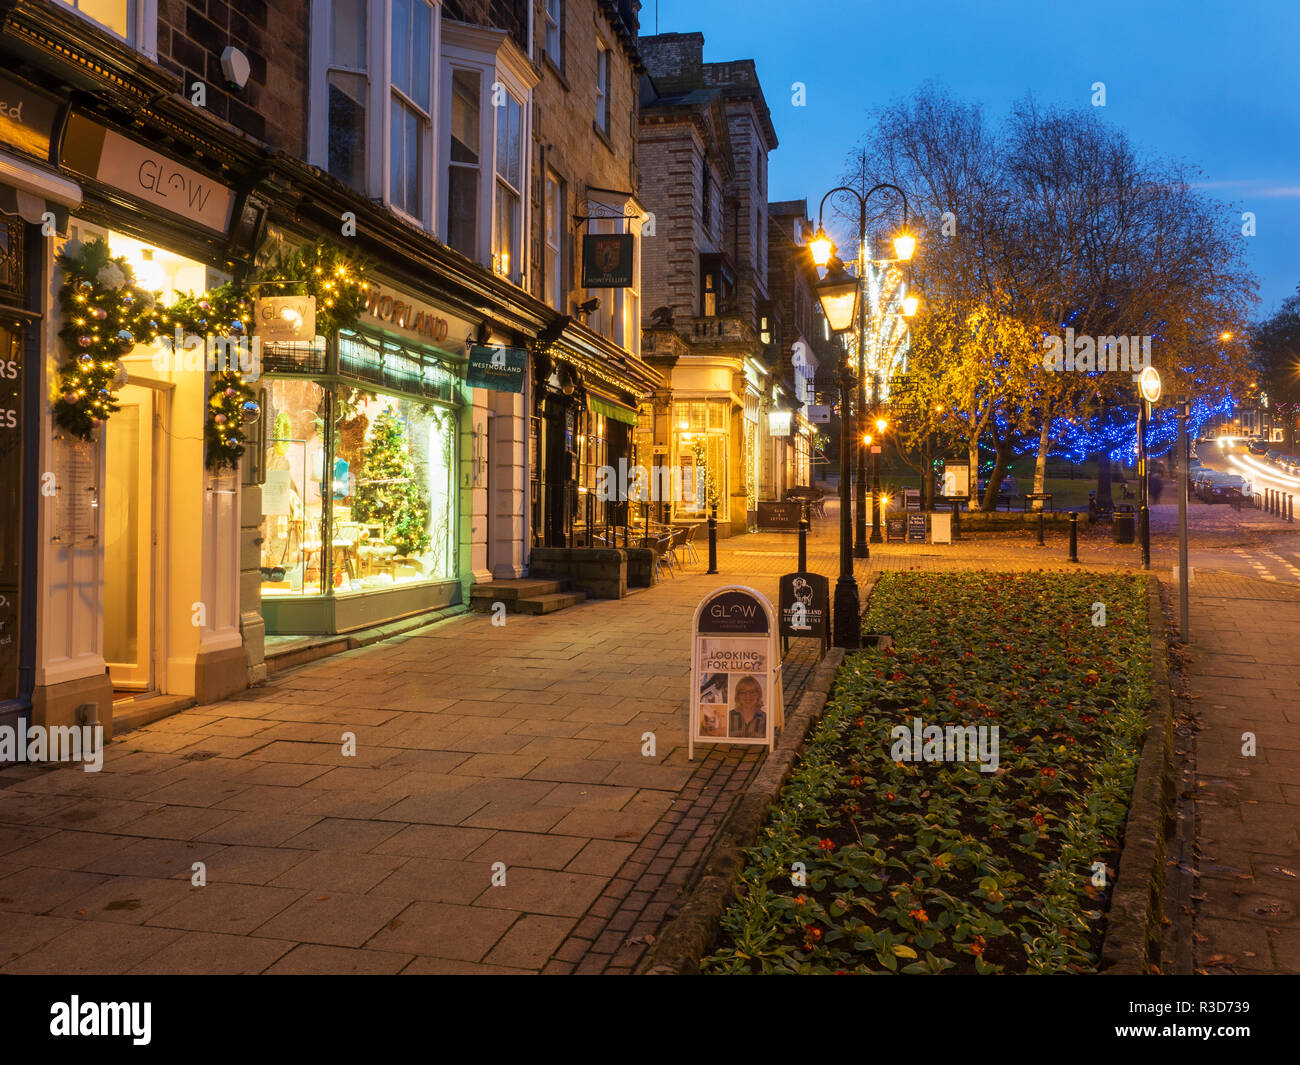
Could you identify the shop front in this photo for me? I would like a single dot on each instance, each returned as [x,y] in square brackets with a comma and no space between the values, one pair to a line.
[584,417]
[363,519]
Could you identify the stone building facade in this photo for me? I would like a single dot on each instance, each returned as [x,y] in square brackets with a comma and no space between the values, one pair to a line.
[706,133]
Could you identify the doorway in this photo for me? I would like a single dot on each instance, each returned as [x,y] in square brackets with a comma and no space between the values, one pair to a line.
[135,475]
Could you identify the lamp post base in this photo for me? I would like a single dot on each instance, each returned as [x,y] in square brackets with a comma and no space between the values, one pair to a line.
[861,550]
[847,614]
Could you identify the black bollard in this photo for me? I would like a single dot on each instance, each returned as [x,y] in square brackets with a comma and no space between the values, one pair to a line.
[1041,541]
[803,539]
[1074,536]
[956,520]
[713,539]
[1290,507]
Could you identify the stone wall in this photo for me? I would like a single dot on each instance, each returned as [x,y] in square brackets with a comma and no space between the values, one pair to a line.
[276,39]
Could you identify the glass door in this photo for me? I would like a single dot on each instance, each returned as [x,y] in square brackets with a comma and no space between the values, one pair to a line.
[129,497]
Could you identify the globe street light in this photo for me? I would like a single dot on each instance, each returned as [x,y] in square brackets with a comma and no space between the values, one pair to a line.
[1149,389]
[839,294]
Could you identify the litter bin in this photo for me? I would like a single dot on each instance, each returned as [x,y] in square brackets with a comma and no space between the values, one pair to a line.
[1124,522]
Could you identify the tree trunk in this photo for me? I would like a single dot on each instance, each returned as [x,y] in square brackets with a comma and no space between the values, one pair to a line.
[1103,479]
[973,454]
[1040,465]
[1000,461]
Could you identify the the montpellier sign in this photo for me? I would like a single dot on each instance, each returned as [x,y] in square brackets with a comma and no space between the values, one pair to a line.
[736,694]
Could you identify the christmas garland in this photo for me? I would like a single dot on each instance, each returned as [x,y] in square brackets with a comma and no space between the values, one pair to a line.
[106,314]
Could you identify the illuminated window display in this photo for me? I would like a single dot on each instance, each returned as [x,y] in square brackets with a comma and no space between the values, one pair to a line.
[390,493]
[360,519]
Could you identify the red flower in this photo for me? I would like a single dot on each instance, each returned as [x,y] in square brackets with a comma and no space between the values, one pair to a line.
[801,900]
[977,946]
[1087,719]
[918,915]
[1048,771]
[826,845]
[889,796]
[1039,820]
[856,782]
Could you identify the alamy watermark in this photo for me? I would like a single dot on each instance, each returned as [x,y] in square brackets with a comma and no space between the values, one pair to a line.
[658,484]
[1088,354]
[55,743]
[946,743]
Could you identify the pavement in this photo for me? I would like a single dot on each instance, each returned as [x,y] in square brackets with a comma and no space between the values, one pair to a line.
[466,798]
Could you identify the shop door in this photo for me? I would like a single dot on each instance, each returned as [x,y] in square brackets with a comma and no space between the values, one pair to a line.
[130,539]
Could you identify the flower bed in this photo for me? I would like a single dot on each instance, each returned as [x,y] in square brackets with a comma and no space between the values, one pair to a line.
[922,866]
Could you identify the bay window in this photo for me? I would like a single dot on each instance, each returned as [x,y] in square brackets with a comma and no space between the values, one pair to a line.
[373,98]
[487,85]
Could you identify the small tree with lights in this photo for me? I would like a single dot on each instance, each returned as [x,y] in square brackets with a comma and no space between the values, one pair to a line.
[387,491]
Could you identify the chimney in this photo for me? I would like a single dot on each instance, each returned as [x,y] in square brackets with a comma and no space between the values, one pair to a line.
[675,61]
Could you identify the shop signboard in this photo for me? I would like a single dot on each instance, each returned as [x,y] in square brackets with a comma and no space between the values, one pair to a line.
[285,319]
[145,175]
[736,693]
[782,516]
[805,600]
[916,528]
[896,528]
[497,369]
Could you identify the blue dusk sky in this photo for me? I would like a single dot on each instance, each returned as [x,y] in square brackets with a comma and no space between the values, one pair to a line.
[1215,83]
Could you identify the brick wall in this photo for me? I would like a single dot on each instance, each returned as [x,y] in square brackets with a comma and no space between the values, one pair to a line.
[672,155]
[675,61]
[275,38]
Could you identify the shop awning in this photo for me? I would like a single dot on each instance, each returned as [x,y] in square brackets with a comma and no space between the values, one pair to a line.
[610,409]
[29,191]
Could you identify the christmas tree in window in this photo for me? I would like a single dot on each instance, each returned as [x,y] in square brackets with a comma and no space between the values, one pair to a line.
[387,492]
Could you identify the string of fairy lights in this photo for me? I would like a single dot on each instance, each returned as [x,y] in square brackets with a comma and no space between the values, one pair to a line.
[106,314]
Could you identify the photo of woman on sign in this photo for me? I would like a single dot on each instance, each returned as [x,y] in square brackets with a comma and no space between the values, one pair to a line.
[747,719]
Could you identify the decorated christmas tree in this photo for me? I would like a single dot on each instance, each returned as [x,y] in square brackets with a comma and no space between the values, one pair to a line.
[387,492]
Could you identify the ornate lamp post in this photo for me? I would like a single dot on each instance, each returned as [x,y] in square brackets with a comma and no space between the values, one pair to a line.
[904,248]
[1149,387]
[840,294]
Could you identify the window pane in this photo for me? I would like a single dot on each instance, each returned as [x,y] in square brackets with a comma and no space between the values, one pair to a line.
[292,498]
[464,116]
[404,171]
[110,13]
[462,210]
[401,45]
[421,45]
[347,128]
[508,142]
[348,34]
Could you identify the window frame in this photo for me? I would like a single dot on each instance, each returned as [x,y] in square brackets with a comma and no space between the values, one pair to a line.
[556,291]
[604,87]
[141,23]
[553,22]
[382,95]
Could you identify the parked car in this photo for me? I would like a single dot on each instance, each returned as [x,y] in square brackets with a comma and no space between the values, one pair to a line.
[1257,447]
[1228,488]
[1291,463]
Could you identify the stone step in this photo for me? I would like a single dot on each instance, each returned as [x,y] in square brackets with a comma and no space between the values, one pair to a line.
[549,604]
[482,596]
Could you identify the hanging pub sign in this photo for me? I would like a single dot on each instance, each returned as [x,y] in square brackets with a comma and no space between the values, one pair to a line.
[497,369]
[736,694]
[285,319]
[805,600]
[607,260]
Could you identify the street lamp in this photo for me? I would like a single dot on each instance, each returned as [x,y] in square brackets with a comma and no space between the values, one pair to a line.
[1149,388]
[878,503]
[839,294]
[904,248]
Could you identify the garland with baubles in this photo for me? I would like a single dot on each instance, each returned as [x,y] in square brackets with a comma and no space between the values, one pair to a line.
[106,314]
